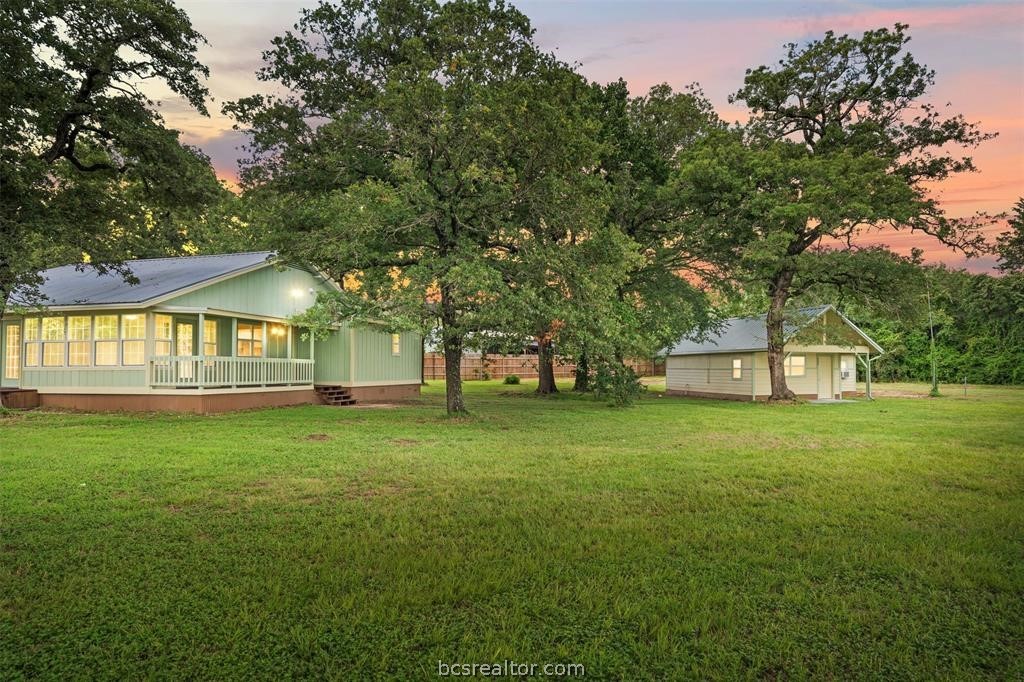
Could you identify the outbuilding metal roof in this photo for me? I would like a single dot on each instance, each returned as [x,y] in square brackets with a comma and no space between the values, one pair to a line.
[69,285]
[749,333]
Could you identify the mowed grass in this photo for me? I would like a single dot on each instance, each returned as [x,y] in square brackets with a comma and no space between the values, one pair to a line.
[676,539]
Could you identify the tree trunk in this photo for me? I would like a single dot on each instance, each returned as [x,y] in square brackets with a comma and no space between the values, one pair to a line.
[582,383]
[776,336]
[545,366]
[452,343]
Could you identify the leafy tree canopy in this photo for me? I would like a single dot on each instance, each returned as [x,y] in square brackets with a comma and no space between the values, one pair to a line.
[418,149]
[1010,246]
[88,170]
[841,142]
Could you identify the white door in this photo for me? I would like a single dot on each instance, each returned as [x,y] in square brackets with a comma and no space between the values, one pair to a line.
[11,373]
[825,376]
[183,346]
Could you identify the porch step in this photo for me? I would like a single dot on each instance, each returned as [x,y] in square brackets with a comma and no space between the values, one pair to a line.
[338,396]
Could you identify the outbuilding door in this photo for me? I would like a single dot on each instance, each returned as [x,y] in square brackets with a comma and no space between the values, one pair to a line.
[825,377]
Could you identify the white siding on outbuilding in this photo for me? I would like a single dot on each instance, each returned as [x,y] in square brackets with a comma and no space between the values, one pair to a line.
[712,373]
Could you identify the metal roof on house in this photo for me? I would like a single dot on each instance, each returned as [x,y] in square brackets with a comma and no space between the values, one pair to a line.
[70,285]
[749,333]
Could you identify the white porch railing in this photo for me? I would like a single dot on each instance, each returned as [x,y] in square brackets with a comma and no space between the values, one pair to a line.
[193,371]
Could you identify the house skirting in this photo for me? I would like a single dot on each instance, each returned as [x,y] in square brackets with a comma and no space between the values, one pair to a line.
[730,396]
[385,393]
[746,397]
[19,399]
[214,400]
[199,403]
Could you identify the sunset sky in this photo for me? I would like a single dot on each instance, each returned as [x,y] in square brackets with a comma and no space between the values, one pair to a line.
[976,48]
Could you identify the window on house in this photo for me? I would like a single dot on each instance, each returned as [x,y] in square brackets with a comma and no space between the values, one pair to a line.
[32,342]
[106,340]
[737,368]
[53,342]
[79,335]
[844,369]
[795,365]
[162,325]
[12,352]
[396,344]
[250,340]
[209,337]
[133,344]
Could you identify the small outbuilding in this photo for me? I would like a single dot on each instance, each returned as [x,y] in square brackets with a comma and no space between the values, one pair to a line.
[822,350]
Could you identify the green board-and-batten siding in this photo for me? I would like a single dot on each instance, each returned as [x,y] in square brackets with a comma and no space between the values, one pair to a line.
[332,358]
[84,377]
[267,292]
[375,361]
[362,355]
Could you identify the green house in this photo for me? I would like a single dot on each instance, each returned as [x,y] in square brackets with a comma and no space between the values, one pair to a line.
[198,334]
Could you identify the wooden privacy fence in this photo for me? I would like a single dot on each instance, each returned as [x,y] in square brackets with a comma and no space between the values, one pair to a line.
[475,366]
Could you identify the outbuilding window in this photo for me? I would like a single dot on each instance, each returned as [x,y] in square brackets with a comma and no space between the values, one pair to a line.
[795,365]
[396,344]
[737,368]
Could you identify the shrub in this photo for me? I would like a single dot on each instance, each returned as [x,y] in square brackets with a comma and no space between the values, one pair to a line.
[511,379]
[617,384]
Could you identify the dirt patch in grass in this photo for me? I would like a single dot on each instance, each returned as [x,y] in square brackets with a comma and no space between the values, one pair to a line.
[891,393]
[404,442]
[375,406]
[318,436]
[760,441]
[359,492]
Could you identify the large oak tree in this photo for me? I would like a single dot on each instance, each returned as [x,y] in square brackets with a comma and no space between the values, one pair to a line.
[89,172]
[842,141]
[414,149]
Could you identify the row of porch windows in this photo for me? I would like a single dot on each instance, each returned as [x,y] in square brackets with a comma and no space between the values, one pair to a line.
[83,340]
[112,340]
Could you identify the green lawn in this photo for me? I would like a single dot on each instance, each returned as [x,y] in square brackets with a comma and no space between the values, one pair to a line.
[676,539]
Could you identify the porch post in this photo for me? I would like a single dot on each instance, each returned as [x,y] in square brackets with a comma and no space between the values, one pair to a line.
[867,376]
[202,350]
[263,347]
[837,375]
[234,352]
[149,345]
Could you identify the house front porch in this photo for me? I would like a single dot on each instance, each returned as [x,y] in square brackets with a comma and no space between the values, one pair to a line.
[194,371]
